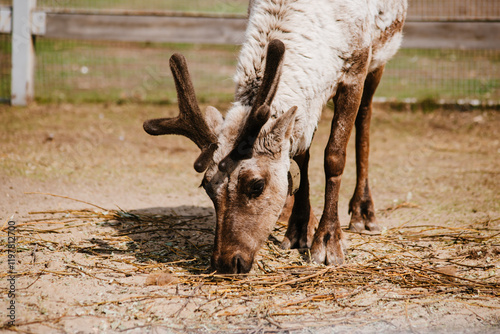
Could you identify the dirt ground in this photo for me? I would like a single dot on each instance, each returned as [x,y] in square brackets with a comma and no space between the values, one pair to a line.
[113,233]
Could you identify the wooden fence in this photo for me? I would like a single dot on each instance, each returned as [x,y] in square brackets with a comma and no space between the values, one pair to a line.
[23,20]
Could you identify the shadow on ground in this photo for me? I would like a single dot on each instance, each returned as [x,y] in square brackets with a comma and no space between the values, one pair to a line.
[182,235]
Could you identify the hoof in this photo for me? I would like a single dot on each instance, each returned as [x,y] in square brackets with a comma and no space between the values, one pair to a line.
[329,249]
[361,225]
[286,244]
[356,226]
[373,227]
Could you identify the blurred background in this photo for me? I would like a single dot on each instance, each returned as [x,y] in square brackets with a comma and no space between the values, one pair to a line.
[82,66]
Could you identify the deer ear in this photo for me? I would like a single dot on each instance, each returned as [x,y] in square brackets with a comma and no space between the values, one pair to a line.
[214,119]
[283,128]
[279,134]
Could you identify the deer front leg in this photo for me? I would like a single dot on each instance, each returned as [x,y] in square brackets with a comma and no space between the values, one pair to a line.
[361,205]
[302,223]
[329,245]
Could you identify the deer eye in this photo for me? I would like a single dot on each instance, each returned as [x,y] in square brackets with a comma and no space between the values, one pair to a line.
[255,188]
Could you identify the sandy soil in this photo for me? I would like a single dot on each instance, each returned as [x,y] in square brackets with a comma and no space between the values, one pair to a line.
[97,205]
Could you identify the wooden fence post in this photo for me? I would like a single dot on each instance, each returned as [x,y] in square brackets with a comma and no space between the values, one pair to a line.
[23,52]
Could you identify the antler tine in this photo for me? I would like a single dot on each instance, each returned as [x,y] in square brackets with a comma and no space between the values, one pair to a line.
[272,74]
[190,122]
[261,111]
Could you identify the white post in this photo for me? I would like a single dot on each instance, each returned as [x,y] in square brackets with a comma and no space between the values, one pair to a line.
[23,53]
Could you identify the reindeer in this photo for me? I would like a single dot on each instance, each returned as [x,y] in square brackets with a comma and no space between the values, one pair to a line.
[297,55]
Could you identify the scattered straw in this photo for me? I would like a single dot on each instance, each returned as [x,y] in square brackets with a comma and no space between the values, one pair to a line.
[424,264]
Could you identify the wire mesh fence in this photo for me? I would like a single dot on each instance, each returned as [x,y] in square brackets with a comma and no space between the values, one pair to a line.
[87,71]
[95,71]
[443,76]
[5,61]
[216,6]
[5,65]
[454,10]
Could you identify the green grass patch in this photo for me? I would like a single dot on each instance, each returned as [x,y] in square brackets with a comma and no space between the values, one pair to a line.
[442,74]
[5,66]
[85,71]
[215,6]
[96,71]
[139,72]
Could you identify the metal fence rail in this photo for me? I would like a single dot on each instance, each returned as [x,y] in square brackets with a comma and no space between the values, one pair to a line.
[70,68]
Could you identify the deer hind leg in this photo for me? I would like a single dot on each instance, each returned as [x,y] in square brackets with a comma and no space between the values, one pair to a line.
[302,222]
[361,205]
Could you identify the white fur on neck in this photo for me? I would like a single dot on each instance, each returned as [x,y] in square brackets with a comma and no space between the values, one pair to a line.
[320,37]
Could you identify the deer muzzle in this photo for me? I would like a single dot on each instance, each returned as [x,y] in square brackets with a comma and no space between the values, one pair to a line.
[231,263]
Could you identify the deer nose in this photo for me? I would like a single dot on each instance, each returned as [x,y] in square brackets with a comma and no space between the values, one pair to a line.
[242,266]
[236,264]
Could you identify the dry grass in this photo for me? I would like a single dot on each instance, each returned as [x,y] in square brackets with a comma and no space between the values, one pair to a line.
[399,268]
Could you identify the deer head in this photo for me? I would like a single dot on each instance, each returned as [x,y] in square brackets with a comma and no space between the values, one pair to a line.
[245,159]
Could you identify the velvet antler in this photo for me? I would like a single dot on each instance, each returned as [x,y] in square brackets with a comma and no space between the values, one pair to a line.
[272,73]
[190,122]
[260,112]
